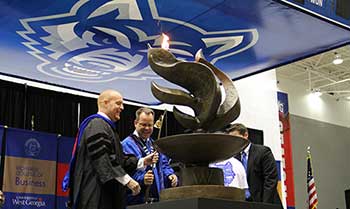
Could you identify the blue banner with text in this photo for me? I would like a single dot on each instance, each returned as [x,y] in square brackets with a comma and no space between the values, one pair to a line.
[30,169]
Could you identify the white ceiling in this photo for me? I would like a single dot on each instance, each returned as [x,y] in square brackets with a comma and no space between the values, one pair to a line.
[318,73]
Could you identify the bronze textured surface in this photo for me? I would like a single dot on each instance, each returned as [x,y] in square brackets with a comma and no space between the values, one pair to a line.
[201,175]
[211,113]
[230,108]
[203,93]
[202,191]
[200,148]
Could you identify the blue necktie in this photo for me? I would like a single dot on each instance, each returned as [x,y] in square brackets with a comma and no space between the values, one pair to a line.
[245,165]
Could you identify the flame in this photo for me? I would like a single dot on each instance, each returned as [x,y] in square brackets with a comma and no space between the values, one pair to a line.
[165,43]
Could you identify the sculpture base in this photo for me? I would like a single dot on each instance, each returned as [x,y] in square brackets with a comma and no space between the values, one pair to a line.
[205,203]
[200,148]
[202,191]
[199,175]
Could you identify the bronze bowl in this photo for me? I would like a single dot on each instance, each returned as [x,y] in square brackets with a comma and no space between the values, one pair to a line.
[200,148]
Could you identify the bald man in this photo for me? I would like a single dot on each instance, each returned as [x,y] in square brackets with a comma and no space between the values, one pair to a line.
[98,175]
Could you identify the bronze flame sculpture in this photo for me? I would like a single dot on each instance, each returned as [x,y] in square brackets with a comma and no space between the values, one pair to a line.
[203,146]
[204,96]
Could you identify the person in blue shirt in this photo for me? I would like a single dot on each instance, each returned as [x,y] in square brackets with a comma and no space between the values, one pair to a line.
[156,177]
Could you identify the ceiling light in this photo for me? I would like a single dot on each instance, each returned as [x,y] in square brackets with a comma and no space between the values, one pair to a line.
[337,59]
[316,92]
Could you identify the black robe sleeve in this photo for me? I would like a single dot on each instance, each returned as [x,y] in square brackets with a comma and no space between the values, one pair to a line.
[103,148]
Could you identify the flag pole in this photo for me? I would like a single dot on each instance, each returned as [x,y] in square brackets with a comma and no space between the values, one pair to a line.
[311,186]
[158,124]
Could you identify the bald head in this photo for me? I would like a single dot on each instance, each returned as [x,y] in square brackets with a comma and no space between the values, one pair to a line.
[110,102]
[106,95]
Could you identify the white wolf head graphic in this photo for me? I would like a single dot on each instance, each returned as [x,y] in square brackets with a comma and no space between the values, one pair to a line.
[100,41]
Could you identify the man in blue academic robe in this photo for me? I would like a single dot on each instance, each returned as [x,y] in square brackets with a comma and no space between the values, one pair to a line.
[154,178]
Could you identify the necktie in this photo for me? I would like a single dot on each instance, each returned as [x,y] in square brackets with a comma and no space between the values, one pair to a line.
[245,165]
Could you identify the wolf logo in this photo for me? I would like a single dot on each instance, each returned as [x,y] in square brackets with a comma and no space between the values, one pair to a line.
[100,41]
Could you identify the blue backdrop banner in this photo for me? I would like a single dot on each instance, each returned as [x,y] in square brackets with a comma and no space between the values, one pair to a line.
[336,10]
[95,45]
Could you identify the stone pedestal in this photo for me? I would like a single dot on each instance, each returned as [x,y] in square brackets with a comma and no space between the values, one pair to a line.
[202,191]
[205,203]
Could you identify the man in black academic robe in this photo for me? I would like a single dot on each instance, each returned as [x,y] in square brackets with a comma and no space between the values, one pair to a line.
[99,174]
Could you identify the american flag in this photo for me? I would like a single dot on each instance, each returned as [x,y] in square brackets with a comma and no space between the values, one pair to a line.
[311,187]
